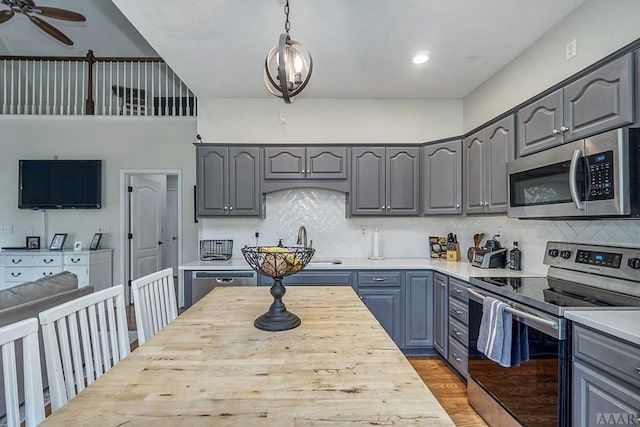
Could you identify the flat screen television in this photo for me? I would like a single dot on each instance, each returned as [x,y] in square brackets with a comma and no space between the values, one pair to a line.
[60,184]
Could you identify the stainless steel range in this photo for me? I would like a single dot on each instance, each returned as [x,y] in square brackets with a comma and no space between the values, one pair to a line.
[535,390]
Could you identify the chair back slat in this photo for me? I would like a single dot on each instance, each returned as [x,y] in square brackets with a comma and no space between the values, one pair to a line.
[27,332]
[83,339]
[154,300]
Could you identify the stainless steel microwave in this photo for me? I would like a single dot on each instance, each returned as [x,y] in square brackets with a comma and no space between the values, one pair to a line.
[592,177]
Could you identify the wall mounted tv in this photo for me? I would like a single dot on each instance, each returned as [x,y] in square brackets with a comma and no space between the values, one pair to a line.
[60,184]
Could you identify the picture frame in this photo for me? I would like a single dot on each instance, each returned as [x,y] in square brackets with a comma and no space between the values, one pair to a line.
[95,242]
[57,243]
[77,246]
[32,242]
[438,247]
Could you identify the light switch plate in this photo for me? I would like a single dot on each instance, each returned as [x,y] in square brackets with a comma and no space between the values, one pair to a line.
[6,229]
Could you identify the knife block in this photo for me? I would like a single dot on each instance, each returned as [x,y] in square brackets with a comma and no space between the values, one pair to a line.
[453,253]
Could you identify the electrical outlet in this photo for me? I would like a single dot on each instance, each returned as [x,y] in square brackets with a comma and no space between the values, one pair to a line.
[364,231]
[103,229]
[6,229]
[571,50]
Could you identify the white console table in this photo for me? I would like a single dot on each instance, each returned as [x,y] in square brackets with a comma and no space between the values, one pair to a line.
[92,267]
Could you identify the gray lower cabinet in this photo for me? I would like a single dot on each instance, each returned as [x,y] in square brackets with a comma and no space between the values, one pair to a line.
[458,325]
[486,153]
[442,178]
[381,292]
[312,277]
[228,181]
[441,313]
[385,181]
[606,387]
[305,162]
[418,310]
[597,102]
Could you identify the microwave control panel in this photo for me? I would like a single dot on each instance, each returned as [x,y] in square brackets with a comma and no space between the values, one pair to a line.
[600,173]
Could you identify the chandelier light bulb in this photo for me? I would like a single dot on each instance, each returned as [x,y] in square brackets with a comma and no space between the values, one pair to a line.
[420,58]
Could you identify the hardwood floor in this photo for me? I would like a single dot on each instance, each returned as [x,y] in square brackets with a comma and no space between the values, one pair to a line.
[450,391]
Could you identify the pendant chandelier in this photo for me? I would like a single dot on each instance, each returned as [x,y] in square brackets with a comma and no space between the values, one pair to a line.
[288,66]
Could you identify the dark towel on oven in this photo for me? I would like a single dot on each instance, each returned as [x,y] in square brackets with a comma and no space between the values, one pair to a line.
[494,338]
[520,348]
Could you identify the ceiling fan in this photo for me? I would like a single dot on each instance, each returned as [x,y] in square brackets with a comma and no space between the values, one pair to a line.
[30,10]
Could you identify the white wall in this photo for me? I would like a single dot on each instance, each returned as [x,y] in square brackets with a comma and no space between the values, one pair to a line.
[600,27]
[121,143]
[328,120]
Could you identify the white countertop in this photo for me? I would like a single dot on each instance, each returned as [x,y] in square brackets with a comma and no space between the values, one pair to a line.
[460,269]
[623,323]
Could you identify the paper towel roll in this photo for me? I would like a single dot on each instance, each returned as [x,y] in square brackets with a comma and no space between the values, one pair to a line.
[375,246]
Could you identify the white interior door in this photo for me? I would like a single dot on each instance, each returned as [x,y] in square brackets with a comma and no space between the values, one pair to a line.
[148,195]
[170,229]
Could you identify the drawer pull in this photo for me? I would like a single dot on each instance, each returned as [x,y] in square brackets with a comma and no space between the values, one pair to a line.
[379,279]
[457,332]
[443,284]
[48,261]
[459,291]
[16,274]
[75,260]
[455,356]
[16,261]
[638,371]
[458,312]
[47,274]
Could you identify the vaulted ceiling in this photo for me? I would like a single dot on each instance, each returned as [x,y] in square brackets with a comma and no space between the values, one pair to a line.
[361,48]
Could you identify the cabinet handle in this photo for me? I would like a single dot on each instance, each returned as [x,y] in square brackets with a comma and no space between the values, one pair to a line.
[379,279]
[75,260]
[457,332]
[388,207]
[455,356]
[637,370]
[16,261]
[458,312]
[459,291]
[308,171]
[443,284]
[230,208]
[457,205]
[16,274]
[48,261]
[555,132]
[225,208]
[564,129]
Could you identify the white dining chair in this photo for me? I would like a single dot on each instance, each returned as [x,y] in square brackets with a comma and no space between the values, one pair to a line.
[154,302]
[27,331]
[83,338]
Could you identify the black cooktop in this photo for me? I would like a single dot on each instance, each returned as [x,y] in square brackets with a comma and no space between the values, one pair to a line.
[554,295]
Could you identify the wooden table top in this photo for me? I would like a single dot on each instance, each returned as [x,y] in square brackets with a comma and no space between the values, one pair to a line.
[211,366]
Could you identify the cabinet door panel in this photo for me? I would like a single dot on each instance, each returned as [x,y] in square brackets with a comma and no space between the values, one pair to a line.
[474,172]
[244,181]
[440,314]
[442,169]
[539,124]
[327,163]
[418,330]
[384,304]
[284,163]
[601,100]
[212,182]
[500,140]
[367,181]
[402,173]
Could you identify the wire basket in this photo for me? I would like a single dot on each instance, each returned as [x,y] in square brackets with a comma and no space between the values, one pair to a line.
[215,250]
[277,261]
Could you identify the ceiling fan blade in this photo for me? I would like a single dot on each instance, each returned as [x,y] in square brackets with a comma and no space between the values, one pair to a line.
[5,15]
[30,3]
[54,12]
[51,30]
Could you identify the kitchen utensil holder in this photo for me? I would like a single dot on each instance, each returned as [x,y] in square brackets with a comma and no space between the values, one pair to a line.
[215,250]
[284,261]
[453,254]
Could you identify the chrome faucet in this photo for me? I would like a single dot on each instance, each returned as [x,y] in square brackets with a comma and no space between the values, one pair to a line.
[302,236]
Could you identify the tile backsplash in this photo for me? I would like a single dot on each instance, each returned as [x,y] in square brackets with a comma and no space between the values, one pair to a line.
[322,212]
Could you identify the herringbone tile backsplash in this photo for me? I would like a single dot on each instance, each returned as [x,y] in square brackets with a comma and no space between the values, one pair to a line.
[322,212]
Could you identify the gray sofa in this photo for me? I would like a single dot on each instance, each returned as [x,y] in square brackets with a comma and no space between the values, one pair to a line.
[28,300]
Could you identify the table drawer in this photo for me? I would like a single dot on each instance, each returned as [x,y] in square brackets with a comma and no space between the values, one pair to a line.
[32,260]
[459,311]
[616,357]
[458,357]
[76,259]
[458,331]
[381,278]
[458,289]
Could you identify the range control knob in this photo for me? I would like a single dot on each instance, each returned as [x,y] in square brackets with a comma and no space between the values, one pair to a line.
[634,263]
[565,254]
[553,253]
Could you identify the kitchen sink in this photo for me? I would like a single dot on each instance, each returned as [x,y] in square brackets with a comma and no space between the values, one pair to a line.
[322,261]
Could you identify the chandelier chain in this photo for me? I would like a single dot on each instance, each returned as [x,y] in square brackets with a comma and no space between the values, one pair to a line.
[287,24]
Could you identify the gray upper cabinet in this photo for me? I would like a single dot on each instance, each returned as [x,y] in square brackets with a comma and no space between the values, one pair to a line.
[228,181]
[385,181]
[305,163]
[599,101]
[442,178]
[486,153]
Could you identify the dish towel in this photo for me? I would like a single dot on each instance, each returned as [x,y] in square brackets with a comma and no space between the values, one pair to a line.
[494,338]
[520,350]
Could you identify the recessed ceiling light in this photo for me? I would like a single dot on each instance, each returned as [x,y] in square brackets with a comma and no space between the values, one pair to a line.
[420,58]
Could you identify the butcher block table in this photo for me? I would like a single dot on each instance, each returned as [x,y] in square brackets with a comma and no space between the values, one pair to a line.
[212,367]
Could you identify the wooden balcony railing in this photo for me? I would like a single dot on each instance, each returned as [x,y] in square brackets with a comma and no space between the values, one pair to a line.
[92,86]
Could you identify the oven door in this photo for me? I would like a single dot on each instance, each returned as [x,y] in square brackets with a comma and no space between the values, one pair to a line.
[533,393]
[548,184]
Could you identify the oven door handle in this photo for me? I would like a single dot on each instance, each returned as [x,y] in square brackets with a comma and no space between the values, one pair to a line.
[573,179]
[532,320]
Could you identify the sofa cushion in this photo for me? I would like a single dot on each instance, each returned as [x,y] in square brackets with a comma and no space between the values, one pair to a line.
[41,288]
